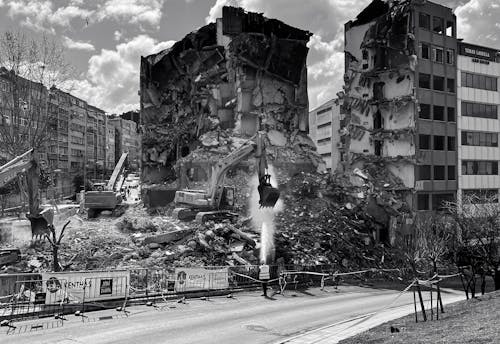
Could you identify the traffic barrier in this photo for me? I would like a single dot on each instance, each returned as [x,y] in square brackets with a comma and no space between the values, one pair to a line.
[65,292]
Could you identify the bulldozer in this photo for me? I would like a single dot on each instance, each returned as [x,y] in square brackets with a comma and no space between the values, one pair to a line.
[109,198]
[217,203]
[25,166]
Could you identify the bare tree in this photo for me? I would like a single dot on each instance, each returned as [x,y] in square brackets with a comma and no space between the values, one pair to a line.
[55,242]
[478,246]
[29,67]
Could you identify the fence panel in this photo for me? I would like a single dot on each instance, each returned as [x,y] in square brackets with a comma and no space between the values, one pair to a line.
[36,298]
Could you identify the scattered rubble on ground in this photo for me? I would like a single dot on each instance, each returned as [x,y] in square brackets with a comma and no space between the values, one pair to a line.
[200,100]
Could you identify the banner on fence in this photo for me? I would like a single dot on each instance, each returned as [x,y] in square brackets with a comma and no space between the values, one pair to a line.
[97,285]
[192,279]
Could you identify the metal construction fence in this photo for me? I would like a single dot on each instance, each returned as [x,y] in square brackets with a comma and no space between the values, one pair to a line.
[24,296]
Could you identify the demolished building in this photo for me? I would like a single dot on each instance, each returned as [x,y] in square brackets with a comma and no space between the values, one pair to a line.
[387,96]
[217,87]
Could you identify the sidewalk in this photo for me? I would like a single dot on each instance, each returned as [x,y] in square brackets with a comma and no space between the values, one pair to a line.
[336,332]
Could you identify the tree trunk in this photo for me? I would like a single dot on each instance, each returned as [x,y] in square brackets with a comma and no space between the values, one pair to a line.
[55,258]
[483,283]
[497,279]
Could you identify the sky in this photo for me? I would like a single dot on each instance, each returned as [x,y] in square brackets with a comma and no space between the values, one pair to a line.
[105,39]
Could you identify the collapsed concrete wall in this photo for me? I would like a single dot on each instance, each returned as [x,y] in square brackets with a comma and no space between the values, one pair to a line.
[379,102]
[218,86]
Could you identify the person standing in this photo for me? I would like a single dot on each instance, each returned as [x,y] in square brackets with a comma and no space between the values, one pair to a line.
[264,277]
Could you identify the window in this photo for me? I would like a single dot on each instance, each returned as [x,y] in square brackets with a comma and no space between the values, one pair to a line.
[438,83]
[476,138]
[423,201]
[438,114]
[450,85]
[479,167]
[439,201]
[424,50]
[325,141]
[324,110]
[424,80]
[424,21]
[425,111]
[479,110]
[424,172]
[479,81]
[438,142]
[451,114]
[439,172]
[450,56]
[424,141]
[451,143]
[451,172]
[449,29]
[437,54]
[437,25]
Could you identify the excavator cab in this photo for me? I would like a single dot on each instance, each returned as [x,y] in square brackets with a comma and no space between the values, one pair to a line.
[268,194]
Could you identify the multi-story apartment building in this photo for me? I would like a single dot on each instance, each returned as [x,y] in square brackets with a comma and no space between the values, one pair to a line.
[324,127]
[23,112]
[127,140]
[75,138]
[399,107]
[478,122]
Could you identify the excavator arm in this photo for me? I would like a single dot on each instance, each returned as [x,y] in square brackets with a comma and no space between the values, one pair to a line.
[268,194]
[27,165]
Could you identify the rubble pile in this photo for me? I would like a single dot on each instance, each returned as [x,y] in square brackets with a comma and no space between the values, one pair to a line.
[216,88]
[333,220]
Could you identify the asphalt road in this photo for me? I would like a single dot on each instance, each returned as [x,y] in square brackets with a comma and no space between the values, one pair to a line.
[247,318]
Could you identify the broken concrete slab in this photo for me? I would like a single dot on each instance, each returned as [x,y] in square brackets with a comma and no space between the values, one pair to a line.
[277,138]
[169,237]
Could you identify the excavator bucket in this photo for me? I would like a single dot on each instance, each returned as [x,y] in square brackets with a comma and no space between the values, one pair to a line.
[269,195]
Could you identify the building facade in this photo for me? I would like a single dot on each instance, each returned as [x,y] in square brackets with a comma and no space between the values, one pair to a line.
[71,137]
[478,123]
[127,140]
[324,129]
[399,102]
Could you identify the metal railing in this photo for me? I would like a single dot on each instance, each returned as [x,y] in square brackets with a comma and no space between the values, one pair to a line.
[29,295]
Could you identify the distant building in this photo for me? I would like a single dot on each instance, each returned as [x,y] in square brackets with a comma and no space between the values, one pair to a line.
[127,140]
[477,119]
[79,140]
[324,130]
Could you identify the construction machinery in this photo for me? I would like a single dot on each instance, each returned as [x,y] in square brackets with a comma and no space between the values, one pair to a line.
[109,198]
[217,203]
[26,167]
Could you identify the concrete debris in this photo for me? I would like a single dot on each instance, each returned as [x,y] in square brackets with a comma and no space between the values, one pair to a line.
[219,85]
[166,238]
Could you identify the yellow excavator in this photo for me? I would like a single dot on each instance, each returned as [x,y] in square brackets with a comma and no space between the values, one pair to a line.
[26,166]
[217,203]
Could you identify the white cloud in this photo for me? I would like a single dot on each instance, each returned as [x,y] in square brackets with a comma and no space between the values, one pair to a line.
[476,22]
[41,15]
[112,79]
[325,18]
[134,11]
[77,45]
[117,35]
[49,15]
